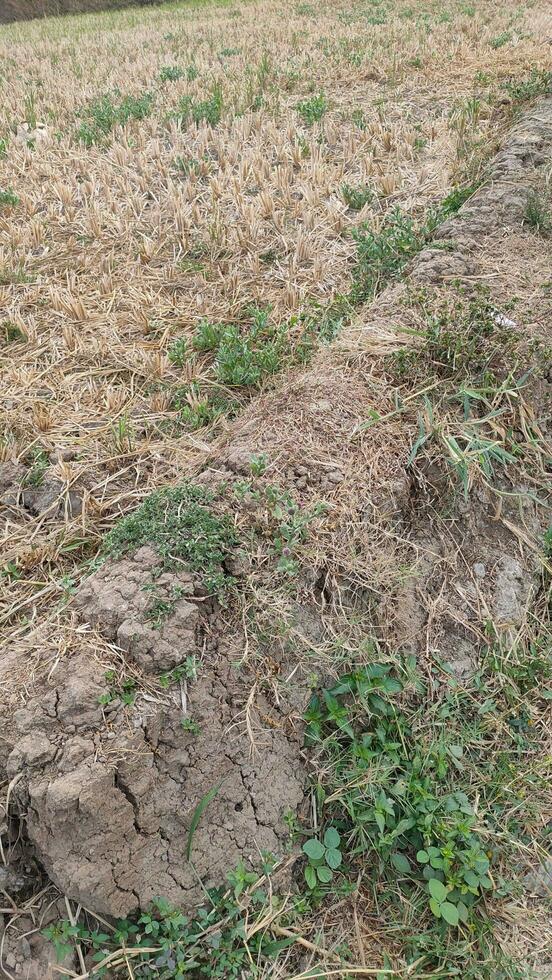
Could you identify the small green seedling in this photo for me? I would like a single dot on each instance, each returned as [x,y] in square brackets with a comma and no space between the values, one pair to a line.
[324,857]
[258,464]
[190,726]
[178,352]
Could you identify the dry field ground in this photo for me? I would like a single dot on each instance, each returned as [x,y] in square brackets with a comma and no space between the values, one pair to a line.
[293,261]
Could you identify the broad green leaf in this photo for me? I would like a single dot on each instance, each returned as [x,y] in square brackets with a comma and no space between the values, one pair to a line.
[403,825]
[331,837]
[314,849]
[463,912]
[437,890]
[435,908]
[333,857]
[197,815]
[392,686]
[430,873]
[401,862]
[324,874]
[449,913]
[422,857]
[380,820]
[471,878]
[377,704]
[310,876]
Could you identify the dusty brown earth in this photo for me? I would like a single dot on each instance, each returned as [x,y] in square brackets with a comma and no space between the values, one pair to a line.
[105,795]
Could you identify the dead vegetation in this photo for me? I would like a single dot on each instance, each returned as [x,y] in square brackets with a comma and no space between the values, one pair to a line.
[177,252]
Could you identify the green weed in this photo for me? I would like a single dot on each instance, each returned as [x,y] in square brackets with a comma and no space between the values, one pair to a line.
[39,462]
[171,73]
[538,215]
[386,795]
[324,857]
[187,670]
[538,82]
[500,40]
[190,726]
[163,605]
[198,410]
[10,333]
[244,355]
[102,115]
[356,197]
[178,352]
[119,690]
[208,110]
[382,254]
[209,944]
[311,110]
[180,524]
[8,198]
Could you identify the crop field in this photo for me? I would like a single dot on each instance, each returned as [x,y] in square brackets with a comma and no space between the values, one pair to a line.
[275,471]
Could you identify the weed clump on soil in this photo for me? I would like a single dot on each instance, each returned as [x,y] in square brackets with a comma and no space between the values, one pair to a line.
[311,110]
[209,944]
[388,794]
[472,421]
[8,198]
[382,253]
[537,82]
[356,197]
[110,110]
[207,110]
[180,524]
[171,73]
[538,214]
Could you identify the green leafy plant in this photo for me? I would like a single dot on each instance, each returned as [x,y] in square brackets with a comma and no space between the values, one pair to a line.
[187,670]
[171,73]
[538,215]
[389,799]
[183,528]
[178,352]
[356,197]
[123,690]
[500,40]
[168,945]
[291,522]
[10,333]
[208,335]
[8,198]
[110,110]
[207,110]
[311,110]
[39,462]
[258,464]
[538,82]
[190,726]
[324,857]
[382,254]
